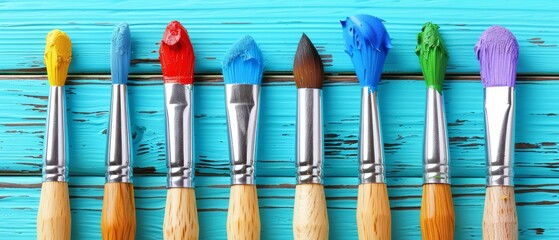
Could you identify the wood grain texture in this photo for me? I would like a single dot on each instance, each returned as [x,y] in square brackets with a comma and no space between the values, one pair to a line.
[536,199]
[53,219]
[276,26]
[243,217]
[181,215]
[437,218]
[373,212]
[310,217]
[499,216]
[402,112]
[118,218]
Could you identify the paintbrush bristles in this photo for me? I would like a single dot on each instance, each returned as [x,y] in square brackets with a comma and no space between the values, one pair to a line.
[120,54]
[58,55]
[367,43]
[176,55]
[243,63]
[308,70]
[497,52]
[433,56]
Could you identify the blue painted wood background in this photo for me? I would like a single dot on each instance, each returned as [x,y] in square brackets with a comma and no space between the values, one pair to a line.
[276,26]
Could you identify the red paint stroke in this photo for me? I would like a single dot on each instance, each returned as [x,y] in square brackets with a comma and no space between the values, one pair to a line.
[176,55]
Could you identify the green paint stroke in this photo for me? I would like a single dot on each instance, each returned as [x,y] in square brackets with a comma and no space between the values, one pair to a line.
[433,56]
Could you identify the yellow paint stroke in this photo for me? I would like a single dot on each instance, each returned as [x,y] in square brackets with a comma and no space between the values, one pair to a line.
[58,55]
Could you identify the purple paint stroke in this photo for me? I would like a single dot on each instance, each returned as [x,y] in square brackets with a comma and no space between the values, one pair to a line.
[497,52]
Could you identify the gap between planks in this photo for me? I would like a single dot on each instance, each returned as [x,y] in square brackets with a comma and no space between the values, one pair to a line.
[272,78]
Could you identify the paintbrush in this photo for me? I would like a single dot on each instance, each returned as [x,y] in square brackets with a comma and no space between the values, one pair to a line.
[118,219]
[310,217]
[242,74]
[497,52]
[177,63]
[437,211]
[367,42]
[53,219]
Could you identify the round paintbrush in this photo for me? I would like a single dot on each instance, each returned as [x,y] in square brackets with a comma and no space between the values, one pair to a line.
[310,217]
[437,210]
[177,63]
[367,43]
[118,216]
[497,52]
[242,74]
[53,219]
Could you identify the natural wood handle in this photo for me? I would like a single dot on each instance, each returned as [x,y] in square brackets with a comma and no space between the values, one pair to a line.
[243,220]
[437,212]
[118,216]
[53,219]
[310,217]
[373,212]
[499,215]
[181,217]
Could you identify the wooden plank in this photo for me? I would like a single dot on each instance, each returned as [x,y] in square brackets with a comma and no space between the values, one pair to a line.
[402,103]
[276,26]
[536,203]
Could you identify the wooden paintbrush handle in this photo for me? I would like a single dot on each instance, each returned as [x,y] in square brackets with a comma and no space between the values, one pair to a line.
[437,212]
[243,220]
[310,217]
[53,219]
[118,216]
[499,216]
[373,212]
[181,217]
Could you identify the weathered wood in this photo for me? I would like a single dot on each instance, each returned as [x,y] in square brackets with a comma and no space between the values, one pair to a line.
[536,205]
[402,105]
[276,26]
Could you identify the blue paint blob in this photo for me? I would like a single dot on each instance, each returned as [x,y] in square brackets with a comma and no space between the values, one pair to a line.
[120,54]
[367,43]
[243,63]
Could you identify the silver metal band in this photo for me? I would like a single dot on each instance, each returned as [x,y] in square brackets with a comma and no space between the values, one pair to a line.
[499,135]
[55,160]
[242,119]
[435,149]
[371,153]
[178,112]
[119,158]
[309,135]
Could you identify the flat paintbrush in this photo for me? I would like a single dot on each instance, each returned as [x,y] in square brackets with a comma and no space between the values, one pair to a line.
[497,52]
[367,42]
[53,219]
[242,74]
[177,63]
[310,217]
[437,210]
[118,217]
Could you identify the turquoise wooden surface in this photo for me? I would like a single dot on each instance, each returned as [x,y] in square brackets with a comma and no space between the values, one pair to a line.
[276,26]
[402,108]
[402,113]
[535,200]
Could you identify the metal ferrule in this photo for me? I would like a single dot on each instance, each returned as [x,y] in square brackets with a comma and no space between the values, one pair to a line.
[119,158]
[435,148]
[55,162]
[499,135]
[309,135]
[371,154]
[178,112]
[242,115]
